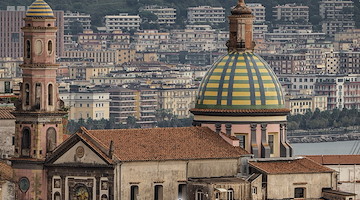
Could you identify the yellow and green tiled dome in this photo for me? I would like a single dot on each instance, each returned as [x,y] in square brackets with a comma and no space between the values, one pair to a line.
[39,9]
[240,80]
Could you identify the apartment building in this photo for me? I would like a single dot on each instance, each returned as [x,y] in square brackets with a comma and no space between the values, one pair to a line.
[347,40]
[338,16]
[102,56]
[204,14]
[336,9]
[11,22]
[298,84]
[299,36]
[258,10]
[343,62]
[150,40]
[286,63]
[303,104]
[102,41]
[178,100]
[138,103]
[333,26]
[341,90]
[291,12]
[86,71]
[165,15]
[86,103]
[75,17]
[123,21]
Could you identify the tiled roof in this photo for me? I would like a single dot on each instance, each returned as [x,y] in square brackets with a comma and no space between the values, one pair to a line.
[6,172]
[290,166]
[166,144]
[5,113]
[240,80]
[336,159]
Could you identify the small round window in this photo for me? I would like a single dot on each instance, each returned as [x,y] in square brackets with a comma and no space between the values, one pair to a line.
[50,47]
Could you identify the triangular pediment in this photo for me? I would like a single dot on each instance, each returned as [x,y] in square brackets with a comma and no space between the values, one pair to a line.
[78,150]
[80,153]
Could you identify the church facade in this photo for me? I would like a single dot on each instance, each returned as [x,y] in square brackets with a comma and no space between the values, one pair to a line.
[237,148]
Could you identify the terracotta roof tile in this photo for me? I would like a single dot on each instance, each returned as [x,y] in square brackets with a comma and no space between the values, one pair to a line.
[293,166]
[5,113]
[336,159]
[166,144]
[6,172]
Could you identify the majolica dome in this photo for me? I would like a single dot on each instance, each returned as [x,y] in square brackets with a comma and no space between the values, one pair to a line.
[39,9]
[240,81]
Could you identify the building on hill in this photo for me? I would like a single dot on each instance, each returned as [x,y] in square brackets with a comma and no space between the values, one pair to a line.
[123,21]
[72,19]
[84,103]
[337,15]
[165,15]
[203,14]
[291,12]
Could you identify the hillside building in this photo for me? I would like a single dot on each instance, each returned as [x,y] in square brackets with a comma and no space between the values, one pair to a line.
[84,103]
[291,12]
[76,18]
[165,15]
[123,21]
[203,14]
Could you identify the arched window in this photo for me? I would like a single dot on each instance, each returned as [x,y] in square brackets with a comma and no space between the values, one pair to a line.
[27,94]
[50,95]
[26,142]
[50,139]
[104,197]
[134,192]
[230,194]
[28,49]
[50,47]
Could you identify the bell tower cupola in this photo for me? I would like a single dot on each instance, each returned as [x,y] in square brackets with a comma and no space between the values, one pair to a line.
[241,28]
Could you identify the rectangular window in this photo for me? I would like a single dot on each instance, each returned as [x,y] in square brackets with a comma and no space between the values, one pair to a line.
[299,193]
[134,192]
[182,192]
[271,143]
[158,193]
[242,139]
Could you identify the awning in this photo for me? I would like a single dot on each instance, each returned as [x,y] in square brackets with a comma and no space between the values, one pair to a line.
[221,189]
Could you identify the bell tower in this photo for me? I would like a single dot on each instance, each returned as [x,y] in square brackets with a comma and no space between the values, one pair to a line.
[241,28]
[39,112]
